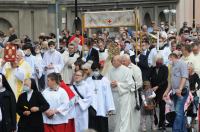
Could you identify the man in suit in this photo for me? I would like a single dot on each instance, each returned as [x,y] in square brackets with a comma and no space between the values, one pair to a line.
[142,60]
[159,82]
[92,52]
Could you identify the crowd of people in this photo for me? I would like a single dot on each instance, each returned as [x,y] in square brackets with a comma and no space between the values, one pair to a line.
[102,83]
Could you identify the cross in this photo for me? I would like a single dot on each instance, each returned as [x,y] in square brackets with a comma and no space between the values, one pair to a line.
[110,20]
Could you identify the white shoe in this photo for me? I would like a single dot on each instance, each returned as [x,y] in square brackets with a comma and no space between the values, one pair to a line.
[144,129]
[154,128]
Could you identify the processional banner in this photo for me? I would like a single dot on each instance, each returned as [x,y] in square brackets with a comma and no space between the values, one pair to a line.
[106,19]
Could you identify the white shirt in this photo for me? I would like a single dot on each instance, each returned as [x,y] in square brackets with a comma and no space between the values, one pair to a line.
[165,54]
[103,55]
[58,100]
[29,94]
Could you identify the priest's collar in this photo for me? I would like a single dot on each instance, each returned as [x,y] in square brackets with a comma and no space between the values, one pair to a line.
[78,83]
[162,48]
[71,55]
[101,51]
[28,55]
[97,78]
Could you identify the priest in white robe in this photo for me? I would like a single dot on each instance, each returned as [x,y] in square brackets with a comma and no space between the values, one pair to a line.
[84,98]
[123,93]
[136,72]
[69,57]
[52,60]
[137,77]
[103,100]
[16,72]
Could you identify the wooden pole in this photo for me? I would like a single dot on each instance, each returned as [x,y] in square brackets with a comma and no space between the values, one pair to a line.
[83,29]
[136,29]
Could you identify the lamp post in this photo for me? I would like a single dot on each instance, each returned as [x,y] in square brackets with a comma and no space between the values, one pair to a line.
[57,25]
[193,25]
[170,12]
[76,15]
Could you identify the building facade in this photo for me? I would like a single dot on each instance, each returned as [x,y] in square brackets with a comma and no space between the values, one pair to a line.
[28,17]
[150,10]
[31,17]
[185,12]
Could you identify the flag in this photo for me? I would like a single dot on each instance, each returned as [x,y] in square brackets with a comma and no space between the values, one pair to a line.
[106,19]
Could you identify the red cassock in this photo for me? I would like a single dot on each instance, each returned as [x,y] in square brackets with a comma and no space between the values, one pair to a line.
[70,125]
[56,128]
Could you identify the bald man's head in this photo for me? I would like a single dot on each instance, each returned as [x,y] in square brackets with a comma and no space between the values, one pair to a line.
[125,60]
[116,61]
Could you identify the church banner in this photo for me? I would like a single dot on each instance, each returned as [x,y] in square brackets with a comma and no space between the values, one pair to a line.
[109,19]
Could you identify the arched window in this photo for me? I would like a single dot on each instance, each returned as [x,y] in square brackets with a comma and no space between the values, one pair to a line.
[4,25]
[161,17]
[147,19]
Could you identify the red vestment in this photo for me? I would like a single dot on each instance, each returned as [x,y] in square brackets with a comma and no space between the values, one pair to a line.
[56,128]
[70,125]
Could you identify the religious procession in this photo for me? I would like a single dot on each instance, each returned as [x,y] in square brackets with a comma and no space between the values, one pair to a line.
[142,79]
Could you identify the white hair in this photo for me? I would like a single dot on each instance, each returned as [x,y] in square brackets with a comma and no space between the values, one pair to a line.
[158,56]
[126,56]
[163,35]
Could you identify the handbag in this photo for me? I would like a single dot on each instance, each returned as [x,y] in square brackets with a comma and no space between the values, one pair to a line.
[91,110]
[151,106]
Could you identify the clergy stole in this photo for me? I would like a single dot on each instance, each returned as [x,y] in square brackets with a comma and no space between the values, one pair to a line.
[91,110]
[69,92]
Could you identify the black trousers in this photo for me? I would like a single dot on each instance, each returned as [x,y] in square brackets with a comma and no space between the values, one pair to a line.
[161,105]
[1,126]
[31,129]
[98,123]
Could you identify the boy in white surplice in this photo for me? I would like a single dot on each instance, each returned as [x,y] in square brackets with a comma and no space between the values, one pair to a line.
[103,100]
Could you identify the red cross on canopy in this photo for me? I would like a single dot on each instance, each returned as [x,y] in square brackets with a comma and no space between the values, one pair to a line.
[109,20]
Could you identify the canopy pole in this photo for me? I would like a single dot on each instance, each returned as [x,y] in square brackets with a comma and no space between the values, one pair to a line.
[83,29]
